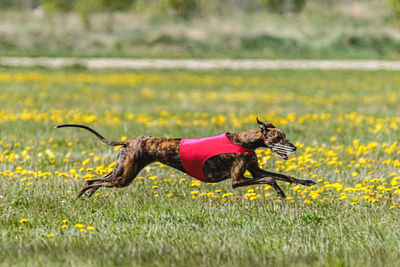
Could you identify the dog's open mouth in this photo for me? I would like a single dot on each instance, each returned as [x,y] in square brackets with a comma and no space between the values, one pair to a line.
[283,155]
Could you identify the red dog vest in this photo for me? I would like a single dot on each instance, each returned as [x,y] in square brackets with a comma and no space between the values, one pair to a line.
[194,152]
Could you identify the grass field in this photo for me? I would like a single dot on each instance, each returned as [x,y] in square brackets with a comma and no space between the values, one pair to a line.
[345,123]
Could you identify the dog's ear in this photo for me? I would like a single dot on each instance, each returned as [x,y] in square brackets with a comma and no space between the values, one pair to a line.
[264,127]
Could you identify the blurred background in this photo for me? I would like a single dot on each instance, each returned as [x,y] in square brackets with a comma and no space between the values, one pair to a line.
[201,29]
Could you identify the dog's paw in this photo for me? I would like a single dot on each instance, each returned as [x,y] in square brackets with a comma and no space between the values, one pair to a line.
[308,183]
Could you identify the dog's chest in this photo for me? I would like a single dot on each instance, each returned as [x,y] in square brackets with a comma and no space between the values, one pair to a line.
[218,168]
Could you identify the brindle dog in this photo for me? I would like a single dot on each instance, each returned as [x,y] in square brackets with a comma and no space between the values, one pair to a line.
[137,153]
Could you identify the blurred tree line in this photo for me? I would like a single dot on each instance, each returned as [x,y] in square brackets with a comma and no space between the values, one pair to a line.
[183,9]
[179,8]
[395,6]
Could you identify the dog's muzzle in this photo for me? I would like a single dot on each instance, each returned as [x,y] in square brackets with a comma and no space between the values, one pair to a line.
[281,150]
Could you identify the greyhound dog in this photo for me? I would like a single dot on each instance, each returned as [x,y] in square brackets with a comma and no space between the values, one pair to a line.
[233,155]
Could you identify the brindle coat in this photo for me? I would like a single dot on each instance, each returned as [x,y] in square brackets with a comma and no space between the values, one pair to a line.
[137,153]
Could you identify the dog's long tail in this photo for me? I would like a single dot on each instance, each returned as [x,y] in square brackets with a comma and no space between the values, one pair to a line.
[103,139]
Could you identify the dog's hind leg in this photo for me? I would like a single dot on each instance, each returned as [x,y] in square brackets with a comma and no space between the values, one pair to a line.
[113,179]
[89,185]
[126,169]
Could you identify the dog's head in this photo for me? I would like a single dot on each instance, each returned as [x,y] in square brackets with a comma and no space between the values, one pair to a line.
[276,140]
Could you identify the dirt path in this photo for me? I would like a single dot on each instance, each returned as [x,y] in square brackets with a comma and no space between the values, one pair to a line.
[201,64]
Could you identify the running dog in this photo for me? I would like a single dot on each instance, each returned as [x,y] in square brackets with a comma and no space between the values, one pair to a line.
[210,159]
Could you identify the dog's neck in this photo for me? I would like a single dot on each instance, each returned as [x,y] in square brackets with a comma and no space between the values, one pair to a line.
[251,139]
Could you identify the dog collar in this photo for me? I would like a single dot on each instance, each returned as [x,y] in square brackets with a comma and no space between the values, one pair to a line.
[265,142]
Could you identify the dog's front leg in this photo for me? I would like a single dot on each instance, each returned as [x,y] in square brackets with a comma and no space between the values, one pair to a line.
[280,177]
[285,178]
[256,171]
[238,179]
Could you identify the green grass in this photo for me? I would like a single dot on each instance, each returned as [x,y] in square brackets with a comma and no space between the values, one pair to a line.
[133,227]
